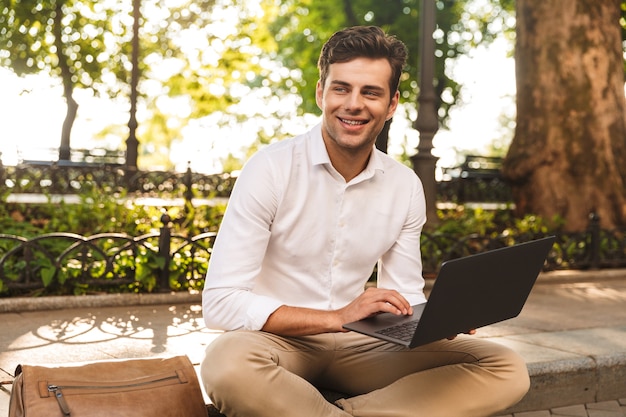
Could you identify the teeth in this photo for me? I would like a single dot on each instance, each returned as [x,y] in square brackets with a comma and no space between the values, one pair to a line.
[353,122]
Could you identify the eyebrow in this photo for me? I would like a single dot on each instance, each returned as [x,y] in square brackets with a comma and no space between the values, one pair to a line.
[365,87]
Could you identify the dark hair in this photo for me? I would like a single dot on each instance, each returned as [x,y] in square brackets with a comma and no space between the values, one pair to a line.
[363,42]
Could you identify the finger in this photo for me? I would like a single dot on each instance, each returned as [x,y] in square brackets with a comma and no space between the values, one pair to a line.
[402,304]
[395,299]
[389,301]
[394,306]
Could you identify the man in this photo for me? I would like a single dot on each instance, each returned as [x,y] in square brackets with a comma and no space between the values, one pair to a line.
[308,219]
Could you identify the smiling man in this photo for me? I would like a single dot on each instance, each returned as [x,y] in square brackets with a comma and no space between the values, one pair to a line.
[357,100]
[308,219]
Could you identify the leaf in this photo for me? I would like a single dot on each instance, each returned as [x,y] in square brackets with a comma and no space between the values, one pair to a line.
[47,275]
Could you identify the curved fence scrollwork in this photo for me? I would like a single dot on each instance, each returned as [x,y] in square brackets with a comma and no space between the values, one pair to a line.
[54,179]
[477,180]
[65,263]
[74,179]
[592,249]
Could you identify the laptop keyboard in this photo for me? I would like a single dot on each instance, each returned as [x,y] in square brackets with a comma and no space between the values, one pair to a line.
[402,331]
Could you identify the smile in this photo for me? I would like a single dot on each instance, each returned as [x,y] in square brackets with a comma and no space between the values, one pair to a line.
[353,122]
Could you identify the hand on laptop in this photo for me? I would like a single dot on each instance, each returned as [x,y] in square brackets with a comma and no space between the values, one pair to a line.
[374,301]
[470,332]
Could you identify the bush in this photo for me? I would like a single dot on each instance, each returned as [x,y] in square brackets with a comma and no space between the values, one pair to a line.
[102,212]
[137,262]
[71,236]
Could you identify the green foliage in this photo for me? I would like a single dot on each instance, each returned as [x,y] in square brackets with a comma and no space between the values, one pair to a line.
[68,234]
[535,224]
[464,221]
[44,36]
[225,59]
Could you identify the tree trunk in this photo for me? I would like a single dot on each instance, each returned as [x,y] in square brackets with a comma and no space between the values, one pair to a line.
[568,156]
[68,84]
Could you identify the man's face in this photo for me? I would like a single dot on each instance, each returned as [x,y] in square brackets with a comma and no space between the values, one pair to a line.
[355,102]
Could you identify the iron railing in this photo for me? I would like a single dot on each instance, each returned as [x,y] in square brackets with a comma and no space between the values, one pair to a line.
[65,263]
[76,177]
[594,248]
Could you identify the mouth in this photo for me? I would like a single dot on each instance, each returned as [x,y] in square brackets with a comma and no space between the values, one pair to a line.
[350,122]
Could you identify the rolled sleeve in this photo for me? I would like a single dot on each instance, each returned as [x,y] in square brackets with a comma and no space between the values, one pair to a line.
[259,311]
[227,309]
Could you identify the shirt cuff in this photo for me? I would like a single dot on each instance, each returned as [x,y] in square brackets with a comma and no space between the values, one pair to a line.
[259,311]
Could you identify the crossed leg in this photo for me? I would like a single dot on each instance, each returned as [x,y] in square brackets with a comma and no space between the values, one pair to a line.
[261,374]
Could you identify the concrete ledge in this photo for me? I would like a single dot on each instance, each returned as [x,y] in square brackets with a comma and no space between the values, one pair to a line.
[611,376]
[557,384]
[574,381]
[20,304]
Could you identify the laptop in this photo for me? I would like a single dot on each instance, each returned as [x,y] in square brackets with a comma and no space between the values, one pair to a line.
[468,293]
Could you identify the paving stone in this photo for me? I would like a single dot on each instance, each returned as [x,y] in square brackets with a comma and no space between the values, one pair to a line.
[571,411]
[542,413]
[605,406]
[605,413]
[605,409]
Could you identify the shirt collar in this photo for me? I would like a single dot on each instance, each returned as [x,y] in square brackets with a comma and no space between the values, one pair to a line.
[319,154]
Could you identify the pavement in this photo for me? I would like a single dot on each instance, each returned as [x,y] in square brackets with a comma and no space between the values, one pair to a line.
[571,332]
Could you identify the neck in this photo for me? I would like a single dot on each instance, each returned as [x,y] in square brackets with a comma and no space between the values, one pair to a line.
[349,163]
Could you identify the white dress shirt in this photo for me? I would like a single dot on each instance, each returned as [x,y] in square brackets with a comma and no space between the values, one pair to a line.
[295,233]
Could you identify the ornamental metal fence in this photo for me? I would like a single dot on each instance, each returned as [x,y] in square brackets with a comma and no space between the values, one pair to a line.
[594,248]
[73,178]
[65,263]
[462,185]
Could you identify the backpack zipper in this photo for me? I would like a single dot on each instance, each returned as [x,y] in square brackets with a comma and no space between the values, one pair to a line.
[57,390]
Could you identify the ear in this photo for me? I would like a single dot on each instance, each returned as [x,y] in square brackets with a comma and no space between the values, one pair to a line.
[319,94]
[393,105]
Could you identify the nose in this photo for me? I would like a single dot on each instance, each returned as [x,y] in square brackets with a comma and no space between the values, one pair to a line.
[354,101]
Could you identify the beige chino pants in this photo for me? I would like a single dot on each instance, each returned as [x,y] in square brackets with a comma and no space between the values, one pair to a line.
[258,374]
